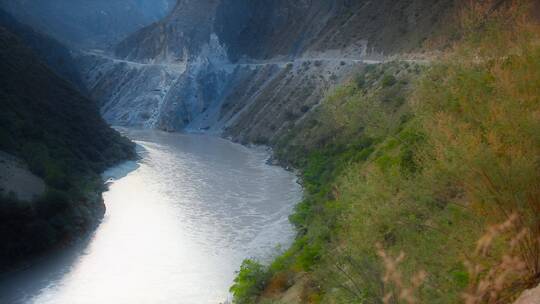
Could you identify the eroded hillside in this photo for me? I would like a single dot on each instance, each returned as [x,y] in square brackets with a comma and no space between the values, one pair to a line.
[232,67]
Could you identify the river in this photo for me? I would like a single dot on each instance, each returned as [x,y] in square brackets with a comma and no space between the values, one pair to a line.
[178,224]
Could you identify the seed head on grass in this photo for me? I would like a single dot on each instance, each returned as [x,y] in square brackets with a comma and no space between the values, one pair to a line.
[493,282]
[402,291]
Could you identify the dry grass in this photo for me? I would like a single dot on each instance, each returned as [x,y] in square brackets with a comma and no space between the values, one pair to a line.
[492,281]
[480,108]
[496,282]
[469,156]
[278,283]
[398,289]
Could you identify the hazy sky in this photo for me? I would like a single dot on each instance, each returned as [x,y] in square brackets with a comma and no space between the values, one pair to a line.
[88,23]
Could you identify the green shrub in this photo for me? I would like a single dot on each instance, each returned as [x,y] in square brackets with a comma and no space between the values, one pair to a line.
[458,149]
[249,282]
[309,256]
[54,202]
[360,80]
[388,81]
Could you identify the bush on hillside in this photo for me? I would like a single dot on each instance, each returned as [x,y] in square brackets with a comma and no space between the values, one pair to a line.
[249,282]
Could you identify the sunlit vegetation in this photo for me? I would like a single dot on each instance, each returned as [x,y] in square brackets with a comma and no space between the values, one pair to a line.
[423,182]
[250,282]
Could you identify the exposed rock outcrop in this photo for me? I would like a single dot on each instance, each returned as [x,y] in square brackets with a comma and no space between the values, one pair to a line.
[531,296]
[267,29]
[250,69]
[17,180]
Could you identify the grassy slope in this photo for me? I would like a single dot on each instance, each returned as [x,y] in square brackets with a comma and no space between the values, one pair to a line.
[418,160]
[63,139]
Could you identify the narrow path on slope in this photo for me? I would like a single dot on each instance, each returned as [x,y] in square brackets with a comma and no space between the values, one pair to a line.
[307,59]
[182,66]
[168,65]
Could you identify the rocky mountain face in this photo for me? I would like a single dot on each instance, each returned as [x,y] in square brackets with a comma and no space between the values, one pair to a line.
[249,69]
[268,28]
[84,23]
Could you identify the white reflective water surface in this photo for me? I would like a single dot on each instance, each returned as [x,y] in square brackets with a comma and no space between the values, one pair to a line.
[178,224]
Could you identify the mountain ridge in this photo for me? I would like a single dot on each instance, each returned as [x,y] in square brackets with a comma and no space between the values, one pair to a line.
[58,57]
[59,135]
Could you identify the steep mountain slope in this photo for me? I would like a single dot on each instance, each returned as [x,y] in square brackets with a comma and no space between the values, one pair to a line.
[83,23]
[268,29]
[50,51]
[421,181]
[183,33]
[222,65]
[265,29]
[59,135]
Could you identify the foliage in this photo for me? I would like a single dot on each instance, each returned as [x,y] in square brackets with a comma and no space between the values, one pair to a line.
[398,289]
[60,135]
[363,115]
[388,80]
[249,282]
[53,220]
[497,283]
[421,164]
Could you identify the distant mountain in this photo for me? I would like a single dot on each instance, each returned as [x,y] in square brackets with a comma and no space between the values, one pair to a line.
[61,137]
[48,49]
[87,23]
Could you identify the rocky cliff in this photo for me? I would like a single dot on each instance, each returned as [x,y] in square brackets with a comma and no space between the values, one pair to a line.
[267,29]
[249,69]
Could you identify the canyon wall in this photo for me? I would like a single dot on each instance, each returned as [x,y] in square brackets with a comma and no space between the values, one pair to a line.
[250,69]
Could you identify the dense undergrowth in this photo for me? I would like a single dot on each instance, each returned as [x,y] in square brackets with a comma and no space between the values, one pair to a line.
[61,137]
[415,162]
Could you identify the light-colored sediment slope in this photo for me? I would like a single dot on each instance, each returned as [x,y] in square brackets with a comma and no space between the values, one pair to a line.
[15,178]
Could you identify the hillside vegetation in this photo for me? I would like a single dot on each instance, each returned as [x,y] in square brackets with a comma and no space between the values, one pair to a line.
[422,182]
[60,135]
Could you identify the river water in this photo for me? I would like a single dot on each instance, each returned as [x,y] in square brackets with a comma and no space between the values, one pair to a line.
[178,224]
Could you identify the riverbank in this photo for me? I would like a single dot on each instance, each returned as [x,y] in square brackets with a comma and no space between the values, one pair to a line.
[38,228]
[176,227]
[46,208]
[405,167]
[58,135]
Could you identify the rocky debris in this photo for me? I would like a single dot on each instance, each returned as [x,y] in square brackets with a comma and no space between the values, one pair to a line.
[531,296]
[211,94]
[251,70]
[16,179]
[129,93]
